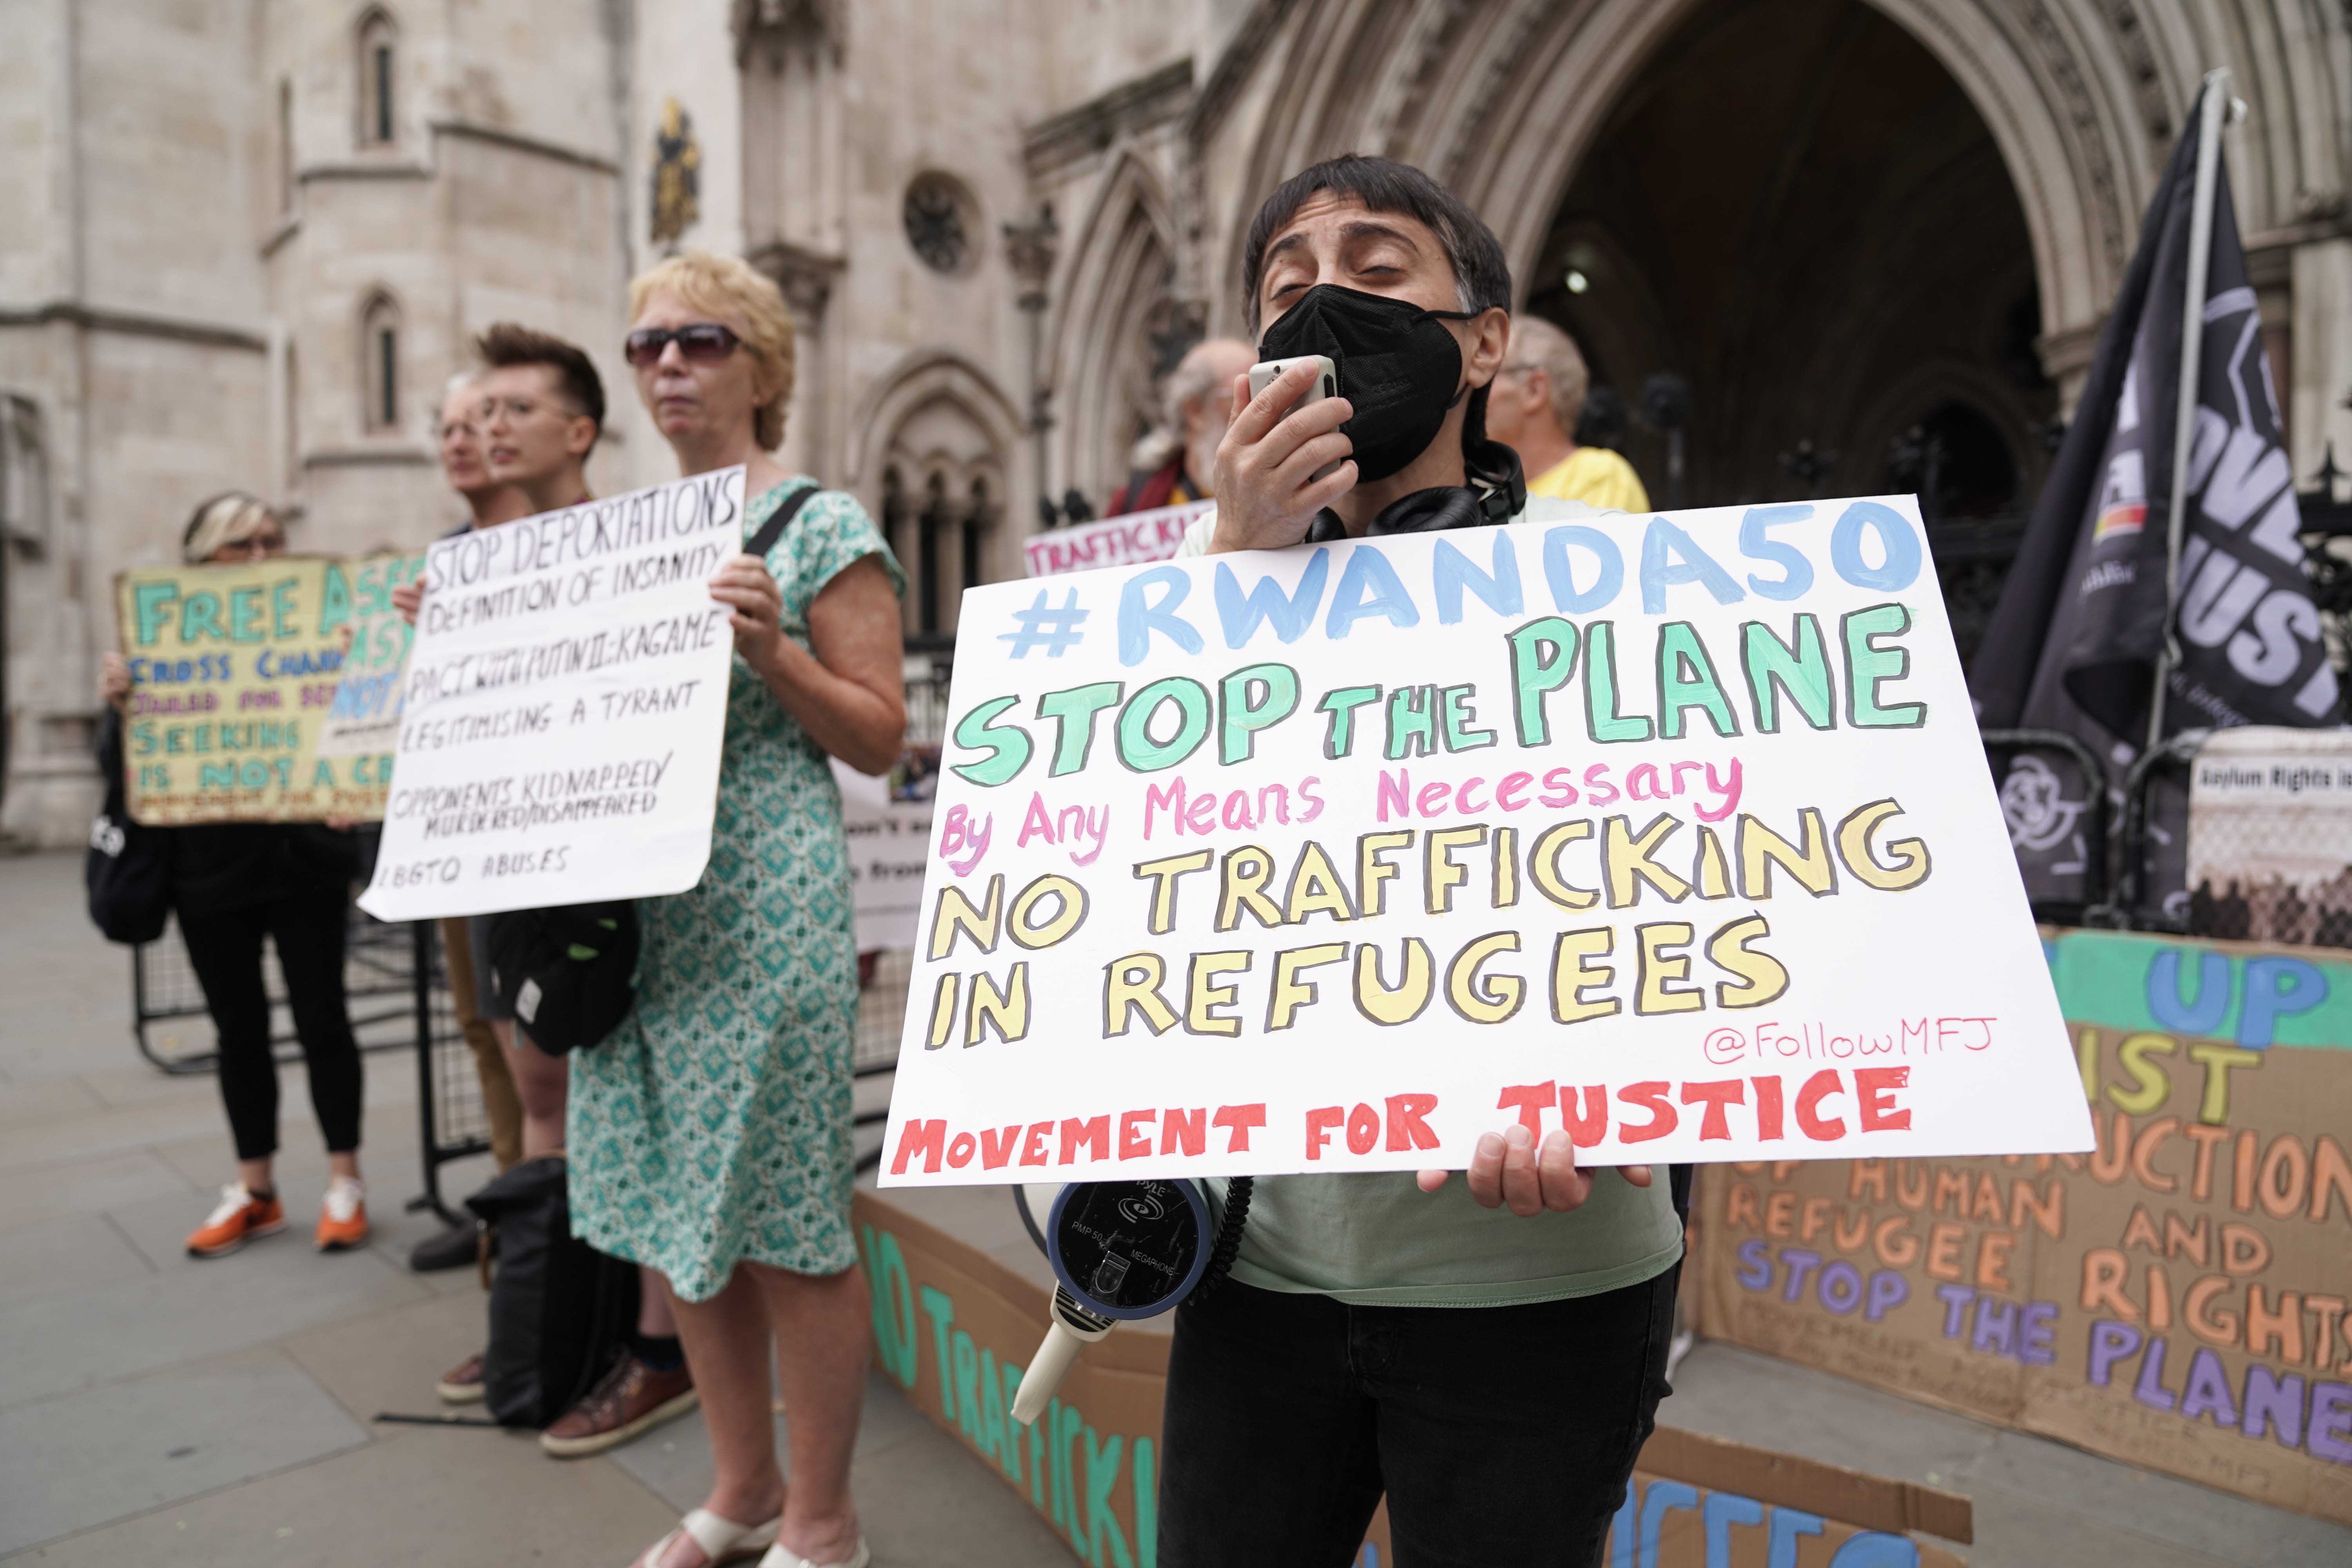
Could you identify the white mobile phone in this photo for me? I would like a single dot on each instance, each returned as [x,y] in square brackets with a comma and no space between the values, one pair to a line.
[1325,385]
[1262,376]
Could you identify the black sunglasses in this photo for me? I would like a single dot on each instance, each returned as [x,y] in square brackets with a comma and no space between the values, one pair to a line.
[702,340]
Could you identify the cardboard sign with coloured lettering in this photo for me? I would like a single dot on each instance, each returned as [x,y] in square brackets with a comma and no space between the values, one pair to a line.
[1673,832]
[236,675]
[561,720]
[2175,1299]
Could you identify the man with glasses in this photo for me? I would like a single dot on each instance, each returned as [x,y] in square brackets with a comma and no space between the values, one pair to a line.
[468,471]
[541,407]
[1177,462]
[545,409]
[1537,398]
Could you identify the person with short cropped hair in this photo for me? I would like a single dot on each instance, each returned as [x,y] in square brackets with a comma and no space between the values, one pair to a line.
[1489,1355]
[542,407]
[1535,405]
[545,406]
[711,1132]
[458,437]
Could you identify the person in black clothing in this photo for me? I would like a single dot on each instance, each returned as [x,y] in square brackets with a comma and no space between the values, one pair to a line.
[232,884]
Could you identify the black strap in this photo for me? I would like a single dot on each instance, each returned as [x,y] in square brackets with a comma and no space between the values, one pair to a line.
[773,528]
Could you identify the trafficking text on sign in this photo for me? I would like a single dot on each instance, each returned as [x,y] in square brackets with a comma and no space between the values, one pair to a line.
[1673,832]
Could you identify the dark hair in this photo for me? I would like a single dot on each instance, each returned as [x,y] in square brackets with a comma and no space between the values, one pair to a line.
[1385,185]
[507,344]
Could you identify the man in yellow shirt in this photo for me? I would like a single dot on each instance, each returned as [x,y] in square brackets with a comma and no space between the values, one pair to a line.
[1536,399]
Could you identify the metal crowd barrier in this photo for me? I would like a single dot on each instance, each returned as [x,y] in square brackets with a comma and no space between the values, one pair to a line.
[2122,902]
[397,993]
[453,1121]
[2093,775]
[175,1033]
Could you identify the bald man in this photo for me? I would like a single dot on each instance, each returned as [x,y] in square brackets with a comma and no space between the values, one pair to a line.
[1174,463]
[1537,398]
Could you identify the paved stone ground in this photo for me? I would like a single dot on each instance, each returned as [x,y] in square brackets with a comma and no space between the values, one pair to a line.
[155,1409]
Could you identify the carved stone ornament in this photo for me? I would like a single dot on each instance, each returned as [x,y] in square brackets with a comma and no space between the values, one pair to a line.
[941,221]
[678,175]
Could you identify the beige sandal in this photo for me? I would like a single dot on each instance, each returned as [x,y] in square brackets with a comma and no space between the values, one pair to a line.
[721,1540]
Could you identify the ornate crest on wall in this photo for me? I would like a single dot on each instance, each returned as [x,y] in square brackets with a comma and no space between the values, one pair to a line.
[678,175]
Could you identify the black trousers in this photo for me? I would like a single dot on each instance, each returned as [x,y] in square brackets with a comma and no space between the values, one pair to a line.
[1500,1435]
[225,949]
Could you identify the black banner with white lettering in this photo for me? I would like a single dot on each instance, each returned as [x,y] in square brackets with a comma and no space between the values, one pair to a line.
[2074,643]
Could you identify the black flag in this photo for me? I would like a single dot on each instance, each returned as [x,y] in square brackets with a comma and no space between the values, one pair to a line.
[2074,643]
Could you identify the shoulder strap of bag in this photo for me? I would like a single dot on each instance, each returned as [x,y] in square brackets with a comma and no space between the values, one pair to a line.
[759,543]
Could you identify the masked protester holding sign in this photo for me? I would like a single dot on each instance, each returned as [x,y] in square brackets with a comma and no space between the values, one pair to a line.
[1488,1353]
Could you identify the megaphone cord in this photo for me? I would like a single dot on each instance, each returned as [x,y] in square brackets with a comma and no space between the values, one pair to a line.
[1229,1238]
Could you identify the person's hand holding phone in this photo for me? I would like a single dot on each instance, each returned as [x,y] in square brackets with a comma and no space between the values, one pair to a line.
[1266,488]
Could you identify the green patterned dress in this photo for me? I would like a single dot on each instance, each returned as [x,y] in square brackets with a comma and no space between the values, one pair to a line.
[714,1124]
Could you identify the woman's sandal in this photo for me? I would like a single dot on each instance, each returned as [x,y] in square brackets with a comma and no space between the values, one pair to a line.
[780,1557]
[721,1540]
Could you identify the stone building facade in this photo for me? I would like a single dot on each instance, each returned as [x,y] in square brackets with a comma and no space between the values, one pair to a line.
[245,242]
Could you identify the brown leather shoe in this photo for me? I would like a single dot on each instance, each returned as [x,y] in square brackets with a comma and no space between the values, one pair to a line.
[632,1398]
[462,1384]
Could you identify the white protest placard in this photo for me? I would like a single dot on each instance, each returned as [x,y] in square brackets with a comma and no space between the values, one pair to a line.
[565,697]
[1129,540]
[889,838]
[1671,831]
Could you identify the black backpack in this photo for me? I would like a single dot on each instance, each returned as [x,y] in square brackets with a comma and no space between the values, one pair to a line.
[127,872]
[567,972]
[560,1309]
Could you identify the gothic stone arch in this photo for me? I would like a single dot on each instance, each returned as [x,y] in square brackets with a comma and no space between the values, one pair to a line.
[1100,340]
[1503,100]
[931,450]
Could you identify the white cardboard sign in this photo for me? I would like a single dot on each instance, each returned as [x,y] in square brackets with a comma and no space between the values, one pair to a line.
[563,705]
[1671,831]
[889,840]
[1129,539]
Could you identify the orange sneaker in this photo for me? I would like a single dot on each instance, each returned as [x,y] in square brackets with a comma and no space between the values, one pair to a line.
[240,1218]
[342,1219]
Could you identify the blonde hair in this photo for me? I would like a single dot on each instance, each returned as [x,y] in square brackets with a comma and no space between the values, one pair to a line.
[1536,342]
[230,518]
[727,285]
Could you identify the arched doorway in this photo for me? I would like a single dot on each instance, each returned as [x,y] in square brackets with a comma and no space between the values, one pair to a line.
[1793,205]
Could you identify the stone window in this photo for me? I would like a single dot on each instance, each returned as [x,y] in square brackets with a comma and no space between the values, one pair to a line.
[379,75]
[23,475]
[380,360]
[938,528]
[286,180]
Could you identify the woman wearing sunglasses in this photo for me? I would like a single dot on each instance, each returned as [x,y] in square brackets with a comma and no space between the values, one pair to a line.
[710,1135]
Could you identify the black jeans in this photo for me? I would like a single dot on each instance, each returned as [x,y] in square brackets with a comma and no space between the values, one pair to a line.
[225,946]
[1500,1435]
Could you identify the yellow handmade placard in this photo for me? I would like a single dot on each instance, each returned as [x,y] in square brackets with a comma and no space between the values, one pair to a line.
[234,676]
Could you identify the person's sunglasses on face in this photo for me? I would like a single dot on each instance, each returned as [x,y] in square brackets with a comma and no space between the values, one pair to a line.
[696,340]
[259,545]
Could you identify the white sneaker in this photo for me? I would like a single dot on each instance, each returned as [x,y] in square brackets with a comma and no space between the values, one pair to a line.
[342,1219]
[240,1218]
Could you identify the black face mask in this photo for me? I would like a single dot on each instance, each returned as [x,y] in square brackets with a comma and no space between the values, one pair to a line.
[1396,362]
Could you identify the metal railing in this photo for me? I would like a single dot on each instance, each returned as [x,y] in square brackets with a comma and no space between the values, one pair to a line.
[453,1120]
[2086,910]
[173,1028]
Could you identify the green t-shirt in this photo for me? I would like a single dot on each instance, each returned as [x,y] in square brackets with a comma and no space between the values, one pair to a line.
[1378,1240]
[1381,1241]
